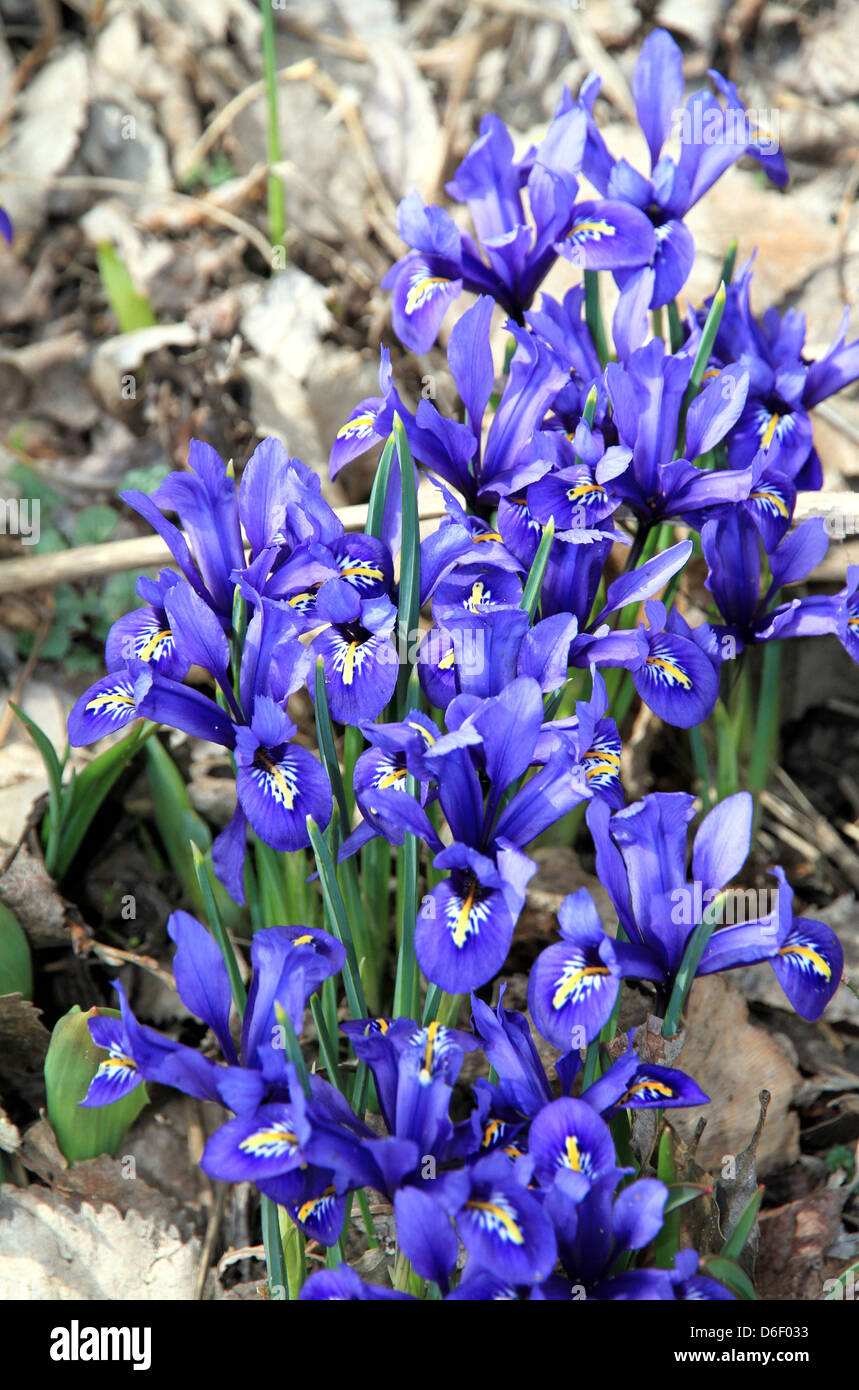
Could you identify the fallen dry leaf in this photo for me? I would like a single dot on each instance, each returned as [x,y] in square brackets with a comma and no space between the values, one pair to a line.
[732,1060]
[54,1250]
[793,1244]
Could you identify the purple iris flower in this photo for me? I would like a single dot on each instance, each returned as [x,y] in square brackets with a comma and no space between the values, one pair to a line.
[381,785]
[344,1285]
[595,1222]
[641,859]
[712,138]
[144,634]
[683,1282]
[465,924]
[278,783]
[784,384]
[840,613]
[511,257]
[523,1088]
[647,395]
[204,499]
[732,549]
[276,1135]
[289,965]
[478,647]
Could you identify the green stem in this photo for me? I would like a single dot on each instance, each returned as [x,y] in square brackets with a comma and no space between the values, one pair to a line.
[593,316]
[276,201]
[367,1215]
[766,723]
[702,764]
[406,985]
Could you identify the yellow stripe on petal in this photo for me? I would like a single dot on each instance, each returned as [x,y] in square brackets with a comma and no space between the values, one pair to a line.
[111,699]
[265,1143]
[361,572]
[360,424]
[769,432]
[572,982]
[422,290]
[503,1218]
[306,1210]
[429,738]
[426,1070]
[815,960]
[277,775]
[391,778]
[460,933]
[657,1087]
[572,1157]
[671,670]
[592,229]
[150,648]
[349,663]
[600,770]
[583,490]
[772,499]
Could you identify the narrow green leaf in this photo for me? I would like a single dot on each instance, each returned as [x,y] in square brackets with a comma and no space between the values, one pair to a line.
[86,793]
[537,572]
[293,1047]
[177,822]
[839,1284]
[131,309]
[325,736]
[730,1274]
[379,494]
[591,1068]
[736,1242]
[695,948]
[275,1263]
[702,764]
[327,1043]
[680,1194]
[432,1002]
[406,983]
[675,327]
[699,366]
[767,721]
[409,606]
[276,196]
[593,315]
[727,753]
[667,1243]
[339,920]
[55,792]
